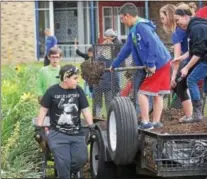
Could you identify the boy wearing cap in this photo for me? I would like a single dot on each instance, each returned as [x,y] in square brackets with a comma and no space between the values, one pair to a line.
[66,101]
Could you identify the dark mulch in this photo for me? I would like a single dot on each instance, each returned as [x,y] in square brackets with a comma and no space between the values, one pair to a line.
[172,125]
[92,71]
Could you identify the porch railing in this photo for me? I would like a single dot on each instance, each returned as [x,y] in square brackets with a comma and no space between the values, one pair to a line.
[69,51]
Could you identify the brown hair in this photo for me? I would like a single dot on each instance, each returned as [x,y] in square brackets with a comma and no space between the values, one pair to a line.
[169,11]
[54,51]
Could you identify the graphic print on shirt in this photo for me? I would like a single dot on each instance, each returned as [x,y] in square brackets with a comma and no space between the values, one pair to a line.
[69,109]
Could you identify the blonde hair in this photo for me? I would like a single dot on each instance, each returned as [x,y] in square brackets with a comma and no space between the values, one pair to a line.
[193,7]
[169,11]
[187,7]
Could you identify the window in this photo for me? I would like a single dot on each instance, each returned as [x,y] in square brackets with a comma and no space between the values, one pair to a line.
[43,17]
[111,20]
[107,18]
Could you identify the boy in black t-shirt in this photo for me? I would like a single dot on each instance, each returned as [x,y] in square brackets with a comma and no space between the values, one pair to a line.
[66,101]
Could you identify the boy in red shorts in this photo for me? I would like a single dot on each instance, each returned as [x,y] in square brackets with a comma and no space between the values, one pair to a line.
[147,50]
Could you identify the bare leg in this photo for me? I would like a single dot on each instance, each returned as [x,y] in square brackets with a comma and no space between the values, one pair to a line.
[144,107]
[157,108]
[187,107]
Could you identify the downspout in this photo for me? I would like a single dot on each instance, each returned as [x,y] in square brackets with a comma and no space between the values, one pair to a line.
[37,31]
[146,9]
[200,3]
[92,22]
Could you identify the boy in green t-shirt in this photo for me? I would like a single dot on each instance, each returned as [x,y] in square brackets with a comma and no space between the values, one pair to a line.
[47,75]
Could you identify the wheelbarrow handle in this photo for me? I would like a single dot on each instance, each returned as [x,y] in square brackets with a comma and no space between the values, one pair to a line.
[127,68]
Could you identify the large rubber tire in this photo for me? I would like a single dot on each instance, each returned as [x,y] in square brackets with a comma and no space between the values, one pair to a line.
[122,133]
[100,169]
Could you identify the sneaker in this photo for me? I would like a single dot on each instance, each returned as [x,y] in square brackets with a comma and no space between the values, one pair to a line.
[190,120]
[186,119]
[157,124]
[147,126]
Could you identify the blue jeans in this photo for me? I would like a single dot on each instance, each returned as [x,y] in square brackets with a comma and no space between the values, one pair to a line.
[70,153]
[198,73]
[138,78]
[205,86]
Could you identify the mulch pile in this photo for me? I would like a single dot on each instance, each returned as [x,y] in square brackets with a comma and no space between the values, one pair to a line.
[91,72]
[172,125]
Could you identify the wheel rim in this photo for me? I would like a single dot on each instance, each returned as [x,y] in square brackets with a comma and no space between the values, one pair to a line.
[112,131]
[95,153]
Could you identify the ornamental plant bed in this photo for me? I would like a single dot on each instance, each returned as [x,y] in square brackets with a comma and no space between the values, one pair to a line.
[171,124]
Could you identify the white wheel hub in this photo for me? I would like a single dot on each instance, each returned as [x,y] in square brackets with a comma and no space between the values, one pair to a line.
[95,157]
[112,131]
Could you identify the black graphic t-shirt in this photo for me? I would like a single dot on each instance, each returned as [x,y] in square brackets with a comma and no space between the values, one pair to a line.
[65,108]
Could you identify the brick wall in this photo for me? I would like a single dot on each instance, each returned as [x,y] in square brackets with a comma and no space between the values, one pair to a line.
[17,32]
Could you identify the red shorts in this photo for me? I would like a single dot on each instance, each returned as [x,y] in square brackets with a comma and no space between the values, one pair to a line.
[158,83]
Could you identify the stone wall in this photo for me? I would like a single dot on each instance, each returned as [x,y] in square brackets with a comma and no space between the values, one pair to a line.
[17,32]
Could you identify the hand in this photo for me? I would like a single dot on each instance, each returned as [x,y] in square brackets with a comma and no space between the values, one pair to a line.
[111,69]
[92,129]
[177,60]
[39,134]
[184,72]
[150,71]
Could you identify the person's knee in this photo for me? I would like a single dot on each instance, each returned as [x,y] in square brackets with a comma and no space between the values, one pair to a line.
[79,161]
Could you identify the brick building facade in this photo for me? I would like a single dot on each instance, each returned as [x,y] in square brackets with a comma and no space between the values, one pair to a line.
[20,32]
[17,32]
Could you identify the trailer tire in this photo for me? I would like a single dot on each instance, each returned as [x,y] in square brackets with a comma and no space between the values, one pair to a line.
[122,133]
[100,169]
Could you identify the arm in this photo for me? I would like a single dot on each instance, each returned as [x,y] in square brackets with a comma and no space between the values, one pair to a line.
[54,41]
[42,113]
[197,45]
[87,116]
[84,106]
[149,39]
[190,64]
[177,53]
[84,55]
[198,39]
[181,58]
[123,54]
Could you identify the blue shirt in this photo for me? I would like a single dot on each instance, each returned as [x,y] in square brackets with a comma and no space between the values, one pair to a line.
[51,41]
[180,36]
[145,45]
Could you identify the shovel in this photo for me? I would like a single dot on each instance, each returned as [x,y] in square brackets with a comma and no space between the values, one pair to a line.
[126,68]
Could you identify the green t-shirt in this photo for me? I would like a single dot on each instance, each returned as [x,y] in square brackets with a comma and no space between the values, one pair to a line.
[47,78]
